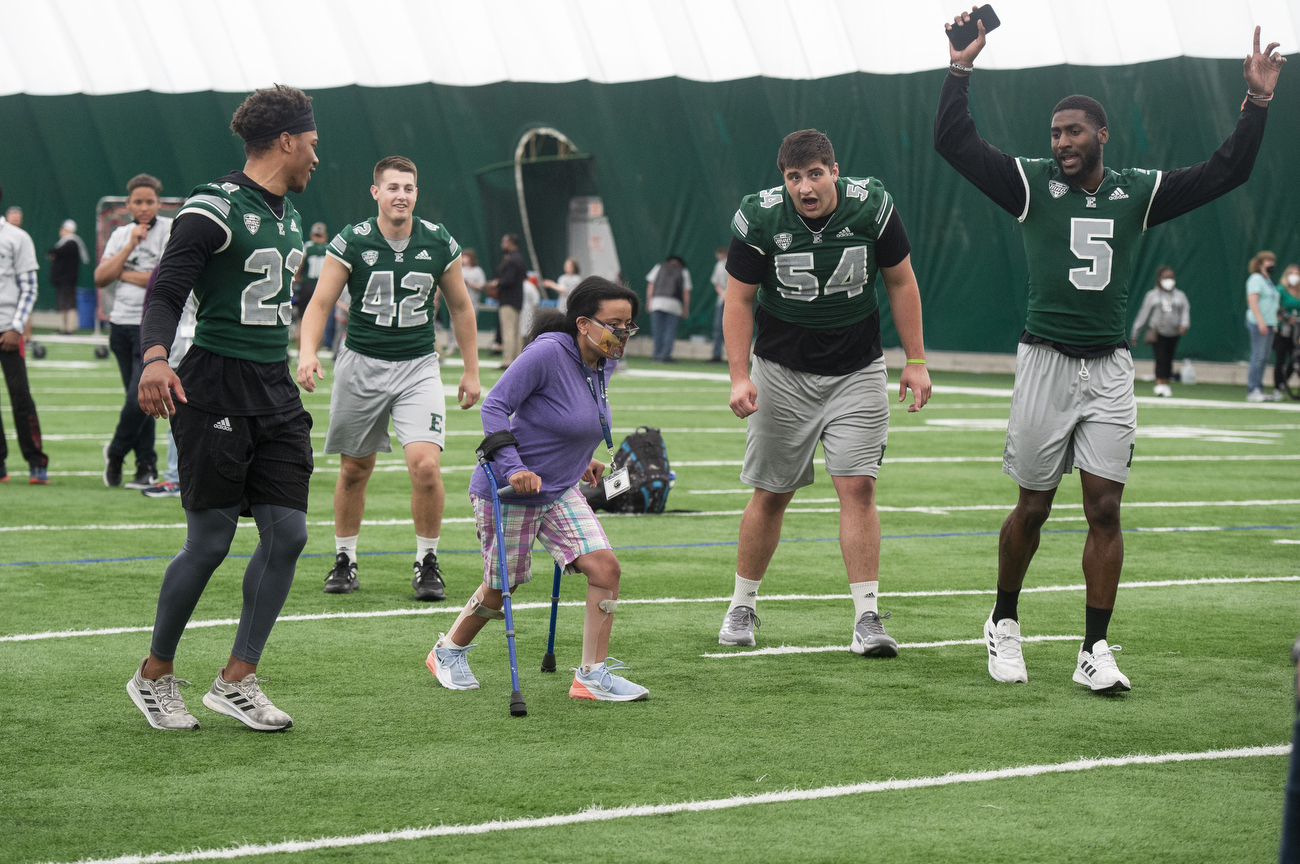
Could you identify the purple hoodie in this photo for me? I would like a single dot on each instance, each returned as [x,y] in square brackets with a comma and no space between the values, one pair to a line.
[545,401]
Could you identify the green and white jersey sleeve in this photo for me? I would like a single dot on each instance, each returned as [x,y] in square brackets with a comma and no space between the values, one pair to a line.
[391,283]
[1080,247]
[243,293]
[818,279]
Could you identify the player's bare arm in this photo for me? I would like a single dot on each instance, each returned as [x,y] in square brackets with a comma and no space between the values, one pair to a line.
[905,306]
[1261,70]
[158,382]
[738,331]
[333,278]
[461,309]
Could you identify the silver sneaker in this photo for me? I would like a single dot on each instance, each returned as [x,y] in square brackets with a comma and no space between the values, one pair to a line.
[870,638]
[160,700]
[245,701]
[738,627]
[450,666]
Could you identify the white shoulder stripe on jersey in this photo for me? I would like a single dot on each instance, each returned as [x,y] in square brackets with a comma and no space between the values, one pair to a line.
[338,244]
[881,211]
[1025,180]
[213,216]
[882,224]
[216,202]
[741,223]
[330,253]
[1154,189]
[454,247]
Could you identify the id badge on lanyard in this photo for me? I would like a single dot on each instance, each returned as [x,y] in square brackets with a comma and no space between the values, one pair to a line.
[617,482]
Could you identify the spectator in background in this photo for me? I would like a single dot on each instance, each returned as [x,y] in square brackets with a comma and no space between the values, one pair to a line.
[1261,321]
[719,281]
[1166,314]
[17,295]
[67,256]
[508,289]
[668,297]
[565,284]
[475,279]
[170,484]
[14,216]
[532,299]
[313,258]
[1288,322]
[131,253]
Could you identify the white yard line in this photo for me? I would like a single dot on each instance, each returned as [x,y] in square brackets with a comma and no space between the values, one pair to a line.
[819,649]
[648,601]
[596,813]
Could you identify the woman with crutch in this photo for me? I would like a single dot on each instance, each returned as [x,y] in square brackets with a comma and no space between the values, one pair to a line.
[553,401]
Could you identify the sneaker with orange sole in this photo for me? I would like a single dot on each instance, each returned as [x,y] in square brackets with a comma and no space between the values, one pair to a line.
[601,684]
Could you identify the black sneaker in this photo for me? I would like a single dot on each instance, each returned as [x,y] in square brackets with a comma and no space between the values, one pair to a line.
[343,578]
[112,469]
[145,476]
[428,579]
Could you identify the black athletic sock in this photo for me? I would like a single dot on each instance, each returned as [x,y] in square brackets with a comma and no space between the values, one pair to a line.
[1095,623]
[1005,607]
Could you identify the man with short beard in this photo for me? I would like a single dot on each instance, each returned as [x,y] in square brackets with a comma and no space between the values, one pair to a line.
[242,433]
[1073,402]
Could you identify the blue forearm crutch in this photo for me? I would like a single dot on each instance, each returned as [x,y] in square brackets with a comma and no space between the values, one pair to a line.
[517,706]
[548,662]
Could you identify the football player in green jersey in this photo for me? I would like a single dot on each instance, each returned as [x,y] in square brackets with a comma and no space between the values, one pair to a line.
[1073,402]
[243,435]
[802,271]
[390,264]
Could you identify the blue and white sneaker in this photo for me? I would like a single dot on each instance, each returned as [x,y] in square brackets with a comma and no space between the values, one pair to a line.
[603,685]
[450,666]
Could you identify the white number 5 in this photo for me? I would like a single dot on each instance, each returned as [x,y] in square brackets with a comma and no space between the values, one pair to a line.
[1084,237]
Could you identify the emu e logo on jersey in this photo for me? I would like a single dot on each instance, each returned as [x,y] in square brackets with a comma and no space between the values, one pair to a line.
[252,222]
[1057,188]
[783,240]
[370,256]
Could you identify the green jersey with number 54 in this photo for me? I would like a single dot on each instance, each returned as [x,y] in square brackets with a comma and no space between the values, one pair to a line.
[818,279]
[1079,246]
[243,294]
[392,289]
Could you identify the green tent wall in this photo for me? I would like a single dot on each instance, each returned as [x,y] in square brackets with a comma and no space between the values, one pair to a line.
[672,158]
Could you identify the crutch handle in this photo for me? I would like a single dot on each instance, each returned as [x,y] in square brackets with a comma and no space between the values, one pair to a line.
[505,490]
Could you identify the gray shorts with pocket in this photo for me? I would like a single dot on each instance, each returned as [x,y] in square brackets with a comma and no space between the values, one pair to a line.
[849,414]
[367,391]
[1067,412]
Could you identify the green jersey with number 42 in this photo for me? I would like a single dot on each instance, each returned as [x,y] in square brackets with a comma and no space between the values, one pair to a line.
[1079,246]
[819,279]
[243,294]
[392,289]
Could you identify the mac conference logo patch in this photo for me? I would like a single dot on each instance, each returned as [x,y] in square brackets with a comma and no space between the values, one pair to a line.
[783,240]
[252,222]
[1057,188]
[370,256]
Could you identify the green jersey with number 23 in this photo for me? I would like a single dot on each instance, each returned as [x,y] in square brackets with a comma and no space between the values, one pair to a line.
[1079,246]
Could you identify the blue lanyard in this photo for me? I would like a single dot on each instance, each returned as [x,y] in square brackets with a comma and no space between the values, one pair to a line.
[600,408]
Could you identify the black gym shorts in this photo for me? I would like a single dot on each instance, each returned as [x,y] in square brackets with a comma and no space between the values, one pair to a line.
[228,461]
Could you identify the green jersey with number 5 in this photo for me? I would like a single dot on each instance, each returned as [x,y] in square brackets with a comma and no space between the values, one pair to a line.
[1079,246]
[392,288]
[817,279]
[243,294]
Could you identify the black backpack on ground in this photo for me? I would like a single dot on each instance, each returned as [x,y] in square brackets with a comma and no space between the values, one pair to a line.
[645,457]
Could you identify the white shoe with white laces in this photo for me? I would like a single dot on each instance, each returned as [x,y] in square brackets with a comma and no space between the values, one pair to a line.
[1097,669]
[1006,662]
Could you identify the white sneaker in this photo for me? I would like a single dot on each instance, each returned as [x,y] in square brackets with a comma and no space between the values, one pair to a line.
[1164,390]
[738,627]
[1278,394]
[1256,396]
[450,666]
[1006,662]
[1097,669]
[160,701]
[870,638]
[245,701]
[601,684]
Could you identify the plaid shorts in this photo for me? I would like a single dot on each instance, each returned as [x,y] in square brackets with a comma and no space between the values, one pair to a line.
[567,528]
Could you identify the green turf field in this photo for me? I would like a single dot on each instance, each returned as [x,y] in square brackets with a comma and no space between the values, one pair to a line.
[377,746]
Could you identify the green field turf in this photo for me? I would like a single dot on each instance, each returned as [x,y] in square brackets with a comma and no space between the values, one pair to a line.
[378,746]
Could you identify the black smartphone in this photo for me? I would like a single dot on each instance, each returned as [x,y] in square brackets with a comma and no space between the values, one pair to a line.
[962,36]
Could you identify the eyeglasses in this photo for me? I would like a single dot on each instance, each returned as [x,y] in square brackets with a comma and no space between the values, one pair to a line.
[620,333]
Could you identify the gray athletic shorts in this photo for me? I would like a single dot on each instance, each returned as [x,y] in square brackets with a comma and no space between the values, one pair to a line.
[849,414]
[368,391]
[1060,418]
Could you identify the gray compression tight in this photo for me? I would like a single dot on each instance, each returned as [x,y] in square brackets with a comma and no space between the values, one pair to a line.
[282,533]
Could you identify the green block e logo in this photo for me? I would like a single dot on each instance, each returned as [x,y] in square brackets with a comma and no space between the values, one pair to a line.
[435,425]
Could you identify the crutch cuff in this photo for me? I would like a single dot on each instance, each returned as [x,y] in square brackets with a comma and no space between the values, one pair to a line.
[489,446]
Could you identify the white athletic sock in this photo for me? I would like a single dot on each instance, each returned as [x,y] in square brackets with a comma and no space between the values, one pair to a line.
[746,593]
[864,598]
[425,545]
[348,545]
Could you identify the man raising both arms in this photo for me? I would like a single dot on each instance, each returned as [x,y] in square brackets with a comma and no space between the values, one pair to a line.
[390,264]
[1073,402]
[809,252]
[243,435]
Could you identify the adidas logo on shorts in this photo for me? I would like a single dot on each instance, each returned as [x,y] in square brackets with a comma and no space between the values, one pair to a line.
[423,256]
[1117,195]
[224,425]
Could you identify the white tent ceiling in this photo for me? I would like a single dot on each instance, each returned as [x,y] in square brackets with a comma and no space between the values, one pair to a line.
[177,46]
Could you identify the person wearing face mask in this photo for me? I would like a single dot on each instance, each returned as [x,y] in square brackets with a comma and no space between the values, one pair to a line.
[1261,321]
[1166,314]
[1288,328]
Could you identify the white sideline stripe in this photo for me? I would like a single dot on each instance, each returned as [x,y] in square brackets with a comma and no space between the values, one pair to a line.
[799,649]
[1288,542]
[646,601]
[602,814]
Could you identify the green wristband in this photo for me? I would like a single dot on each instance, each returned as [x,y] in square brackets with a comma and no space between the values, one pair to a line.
[915,361]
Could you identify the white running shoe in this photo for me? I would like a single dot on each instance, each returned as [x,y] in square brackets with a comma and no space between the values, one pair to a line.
[245,701]
[1006,662]
[450,666]
[738,627]
[1164,390]
[160,701]
[1256,396]
[604,686]
[1097,669]
[870,638]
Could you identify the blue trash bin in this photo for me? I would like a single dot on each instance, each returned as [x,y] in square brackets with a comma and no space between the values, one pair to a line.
[86,301]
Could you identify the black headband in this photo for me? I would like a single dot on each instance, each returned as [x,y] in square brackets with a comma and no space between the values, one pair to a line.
[304,122]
